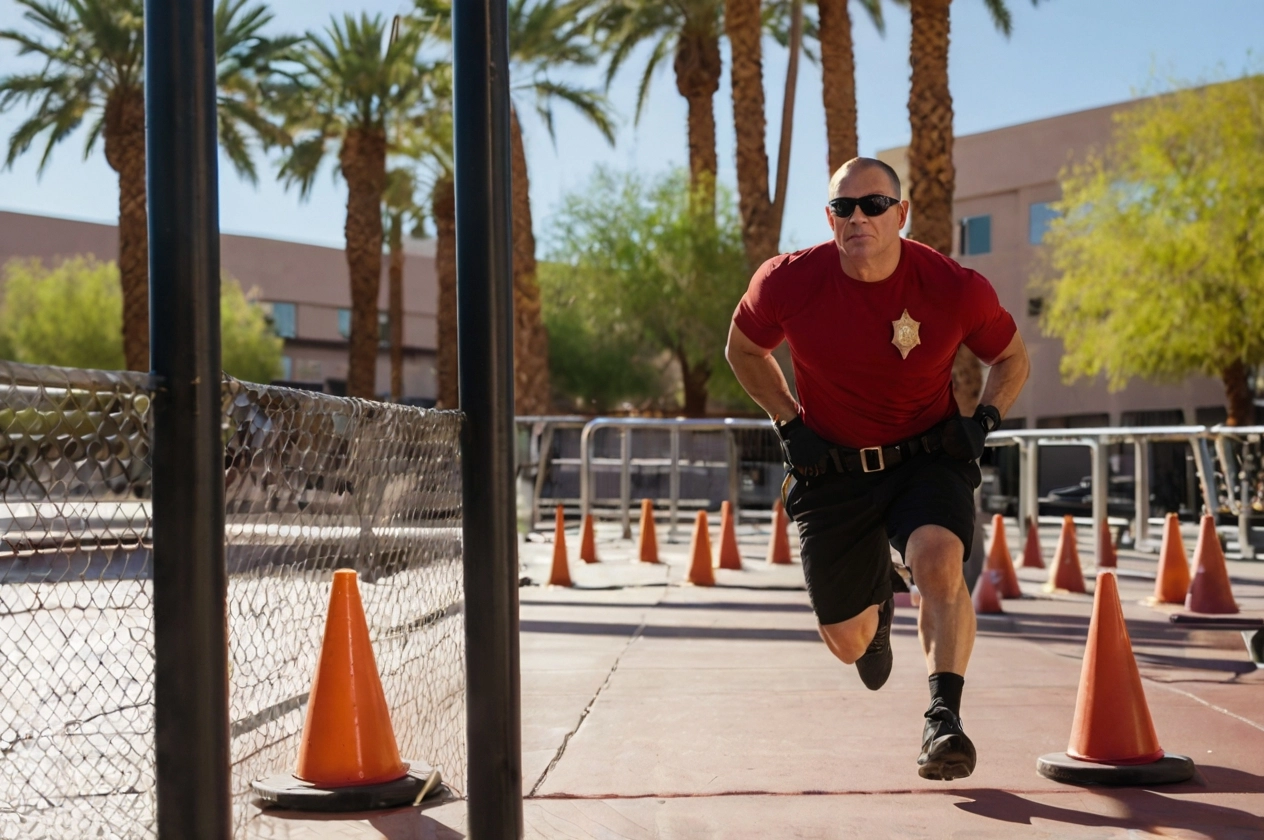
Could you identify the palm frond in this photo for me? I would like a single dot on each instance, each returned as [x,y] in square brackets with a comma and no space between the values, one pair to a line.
[1001,17]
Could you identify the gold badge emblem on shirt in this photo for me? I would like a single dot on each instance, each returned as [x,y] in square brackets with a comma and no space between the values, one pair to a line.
[905,337]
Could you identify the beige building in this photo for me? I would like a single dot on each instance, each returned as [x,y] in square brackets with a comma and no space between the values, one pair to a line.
[1005,181]
[304,287]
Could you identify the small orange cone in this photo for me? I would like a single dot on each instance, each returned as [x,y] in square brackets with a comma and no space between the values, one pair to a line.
[987,599]
[1106,557]
[700,573]
[1209,591]
[347,738]
[647,547]
[1112,722]
[1172,581]
[561,572]
[998,560]
[730,557]
[779,543]
[588,540]
[1031,551]
[1065,574]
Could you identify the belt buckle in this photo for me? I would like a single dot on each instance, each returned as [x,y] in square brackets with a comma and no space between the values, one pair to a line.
[864,459]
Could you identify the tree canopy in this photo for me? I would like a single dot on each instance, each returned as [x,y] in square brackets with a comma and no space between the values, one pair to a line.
[1156,267]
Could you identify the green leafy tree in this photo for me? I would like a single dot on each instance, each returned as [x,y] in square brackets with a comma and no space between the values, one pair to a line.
[93,69]
[1156,267]
[644,261]
[70,316]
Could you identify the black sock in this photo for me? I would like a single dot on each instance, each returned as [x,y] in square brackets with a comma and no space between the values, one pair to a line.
[945,690]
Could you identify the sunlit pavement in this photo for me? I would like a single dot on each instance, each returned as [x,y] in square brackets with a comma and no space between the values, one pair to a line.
[654,709]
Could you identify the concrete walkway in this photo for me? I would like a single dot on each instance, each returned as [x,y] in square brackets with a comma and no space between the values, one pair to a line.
[657,710]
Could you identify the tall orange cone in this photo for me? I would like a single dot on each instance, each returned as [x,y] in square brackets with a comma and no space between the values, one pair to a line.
[647,547]
[1065,574]
[999,561]
[700,573]
[1106,557]
[779,543]
[1112,721]
[1031,551]
[347,739]
[1209,591]
[986,597]
[1172,581]
[730,557]
[588,540]
[560,575]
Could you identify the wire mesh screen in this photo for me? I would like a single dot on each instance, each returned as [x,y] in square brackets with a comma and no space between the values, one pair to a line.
[312,483]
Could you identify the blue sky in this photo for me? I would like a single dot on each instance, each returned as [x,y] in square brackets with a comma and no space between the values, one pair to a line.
[1064,55]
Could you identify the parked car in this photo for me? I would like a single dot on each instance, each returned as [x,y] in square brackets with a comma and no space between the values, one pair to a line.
[1077,499]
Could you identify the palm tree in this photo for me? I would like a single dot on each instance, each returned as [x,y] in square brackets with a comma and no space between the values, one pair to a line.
[401,210]
[345,90]
[543,36]
[93,69]
[688,30]
[932,177]
[838,75]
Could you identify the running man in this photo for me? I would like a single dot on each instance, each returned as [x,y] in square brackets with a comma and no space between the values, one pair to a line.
[879,451]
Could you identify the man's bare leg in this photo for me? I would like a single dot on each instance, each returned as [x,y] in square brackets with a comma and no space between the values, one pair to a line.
[848,639]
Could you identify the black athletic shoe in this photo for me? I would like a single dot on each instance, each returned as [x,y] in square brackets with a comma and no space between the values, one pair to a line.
[875,666]
[947,752]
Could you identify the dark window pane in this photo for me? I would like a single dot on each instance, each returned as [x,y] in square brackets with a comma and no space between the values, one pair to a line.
[1041,214]
[976,235]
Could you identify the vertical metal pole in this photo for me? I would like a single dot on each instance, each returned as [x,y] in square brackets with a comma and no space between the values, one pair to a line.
[485,352]
[1101,489]
[733,456]
[1031,480]
[625,480]
[674,480]
[190,580]
[1245,464]
[1141,474]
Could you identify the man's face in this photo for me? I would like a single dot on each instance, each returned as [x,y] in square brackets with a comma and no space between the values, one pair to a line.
[860,237]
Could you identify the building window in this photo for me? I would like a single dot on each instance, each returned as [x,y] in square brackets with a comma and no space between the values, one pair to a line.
[976,235]
[1035,307]
[1040,216]
[287,368]
[1074,421]
[284,317]
[383,326]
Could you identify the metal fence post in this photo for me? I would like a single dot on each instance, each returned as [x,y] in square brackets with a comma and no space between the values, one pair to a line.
[1031,480]
[734,458]
[625,480]
[1101,491]
[1245,463]
[1141,475]
[674,480]
[190,580]
[485,347]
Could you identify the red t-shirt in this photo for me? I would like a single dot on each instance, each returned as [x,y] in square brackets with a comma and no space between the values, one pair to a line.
[854,387]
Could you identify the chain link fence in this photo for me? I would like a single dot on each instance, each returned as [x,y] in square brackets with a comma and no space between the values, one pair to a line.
[312,483]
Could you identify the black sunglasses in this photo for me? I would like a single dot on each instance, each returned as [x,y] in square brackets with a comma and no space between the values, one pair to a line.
[870,205]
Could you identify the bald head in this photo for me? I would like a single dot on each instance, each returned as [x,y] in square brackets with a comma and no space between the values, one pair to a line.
[864,163]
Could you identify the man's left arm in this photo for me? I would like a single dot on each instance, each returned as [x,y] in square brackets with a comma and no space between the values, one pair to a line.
[1007,376]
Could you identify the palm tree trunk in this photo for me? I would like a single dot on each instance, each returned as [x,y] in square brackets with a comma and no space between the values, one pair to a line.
[838,81]
[697,67]
[363,160]
[932,177]
[125,151]
[694,379]
[396,306]
[531,342]
[744,26]
[1238,396]
[443,209]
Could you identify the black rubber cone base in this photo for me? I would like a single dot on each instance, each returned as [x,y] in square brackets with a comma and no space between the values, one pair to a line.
[1169,769]
[291,792]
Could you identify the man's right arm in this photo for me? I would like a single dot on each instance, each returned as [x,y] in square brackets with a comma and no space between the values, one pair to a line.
[761,376]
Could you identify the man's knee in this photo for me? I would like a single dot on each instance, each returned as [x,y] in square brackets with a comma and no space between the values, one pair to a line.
[935,555]
[849,639]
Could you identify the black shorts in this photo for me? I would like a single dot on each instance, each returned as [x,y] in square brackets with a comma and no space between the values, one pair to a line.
[848,523]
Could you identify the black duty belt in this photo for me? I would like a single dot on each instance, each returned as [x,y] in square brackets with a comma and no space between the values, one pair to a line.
[872,459]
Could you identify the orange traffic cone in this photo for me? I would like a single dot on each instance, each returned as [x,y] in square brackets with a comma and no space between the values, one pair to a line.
[700,573]
[986,597]
[999,561]
[1065,574]
[588,540]
[1209,591]
[347,738]
[560,575]
[1031,551]
[1172,581]
[730,557]
[779,543]
[648,545]
[1112,721]
[1106,557]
